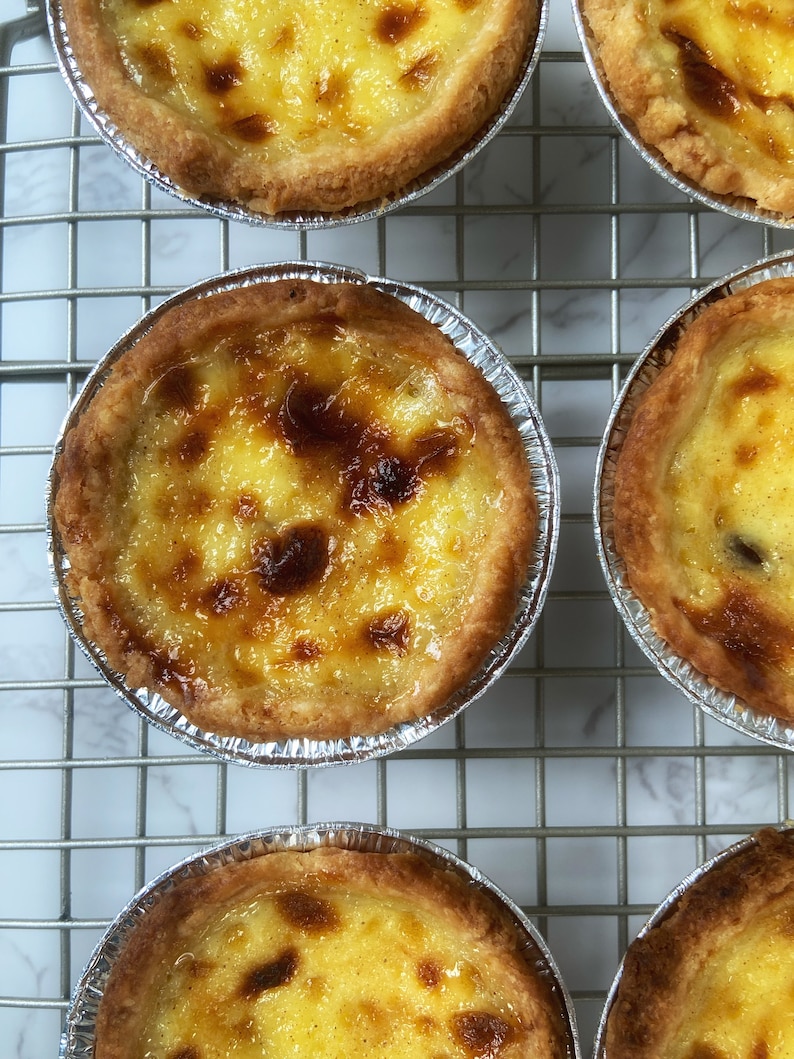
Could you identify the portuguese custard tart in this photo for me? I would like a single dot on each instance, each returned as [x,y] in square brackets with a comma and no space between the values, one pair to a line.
[707,85]
[294,510]
[299,105]
[704,496]
[712,975]
[327,953]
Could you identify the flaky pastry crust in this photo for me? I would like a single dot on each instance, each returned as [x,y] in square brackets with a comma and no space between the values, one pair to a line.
[737,631]
[706,87]
[325,174]
[662,968]
[335,545]
[313,887]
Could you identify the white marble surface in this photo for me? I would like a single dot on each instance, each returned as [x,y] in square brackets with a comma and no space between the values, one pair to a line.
[573,745]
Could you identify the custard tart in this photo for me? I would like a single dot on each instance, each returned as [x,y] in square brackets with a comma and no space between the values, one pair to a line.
[707,86]
[294,509]
[298,105]
[327,953]
[704,501]
[712,975]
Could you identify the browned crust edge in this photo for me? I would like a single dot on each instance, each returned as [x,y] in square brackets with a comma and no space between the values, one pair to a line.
[640,522]
[652,98]
[659,968]
[205,166]
[166,927]
[91,446]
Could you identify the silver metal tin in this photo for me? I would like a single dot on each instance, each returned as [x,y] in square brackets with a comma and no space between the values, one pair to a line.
[665,909]
[77,1041]
[229,210]
[483,354]
[690,681]
[742,208]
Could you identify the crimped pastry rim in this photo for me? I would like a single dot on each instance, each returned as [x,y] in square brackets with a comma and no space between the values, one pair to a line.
[721,705]
[306,752]
[78,1034]
[295,220]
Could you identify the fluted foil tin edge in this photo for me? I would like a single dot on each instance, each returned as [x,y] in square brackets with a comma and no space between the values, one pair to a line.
[77,1040]
[480,350]
[228,210]
[690,681]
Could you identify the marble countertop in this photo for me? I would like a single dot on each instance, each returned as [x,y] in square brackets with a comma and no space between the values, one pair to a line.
[582,783]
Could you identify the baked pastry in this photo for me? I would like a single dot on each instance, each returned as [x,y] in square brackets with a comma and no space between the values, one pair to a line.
[298,106]
[708,86]
[703,504]
[331,952]
[712,979]
[294,509]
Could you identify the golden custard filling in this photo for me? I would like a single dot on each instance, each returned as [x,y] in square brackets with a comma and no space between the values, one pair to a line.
[292,972]
[735,64]
[278,77]
[740,1002]
[309,506]
[732,492]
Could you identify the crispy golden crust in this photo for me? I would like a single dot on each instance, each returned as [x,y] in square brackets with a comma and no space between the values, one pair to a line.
[661,970]
[322,880]
[93,470]
[740,638]
[677,74]
[315,174]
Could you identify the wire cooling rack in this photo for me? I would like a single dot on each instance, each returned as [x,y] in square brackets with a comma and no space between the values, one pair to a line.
[582,784]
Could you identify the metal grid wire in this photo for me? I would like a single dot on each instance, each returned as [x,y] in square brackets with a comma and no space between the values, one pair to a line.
[583,784]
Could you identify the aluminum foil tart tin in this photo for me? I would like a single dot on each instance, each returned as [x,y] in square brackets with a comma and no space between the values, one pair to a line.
[666,908]
[228,210]
[691,682]
[77,1040]
[480,350]
[734,205]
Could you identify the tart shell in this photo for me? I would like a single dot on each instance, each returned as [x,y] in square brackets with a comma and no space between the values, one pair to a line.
[507,579]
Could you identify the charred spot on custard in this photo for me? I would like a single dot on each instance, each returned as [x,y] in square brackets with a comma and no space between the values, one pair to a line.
[270,975]
[253,128]
[331,89]
[293,560]
[178,389]
[421,73]
[430,973]
[223,596]
[188,1052]
[222,77]
[309,416]
[481,1033]
[155,61]
[755,380]
[398,21]
[745,454]
[186,567]
[745,554]
[708,88]
[193,447]
[307,912]
[390,631]
[191,31]
[245,508]
[304,650]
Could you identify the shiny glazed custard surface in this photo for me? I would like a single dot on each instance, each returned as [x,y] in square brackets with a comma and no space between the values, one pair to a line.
[321,971]
[277,77]
[736,65]
[309,506]
[732,492]
[740,1001]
